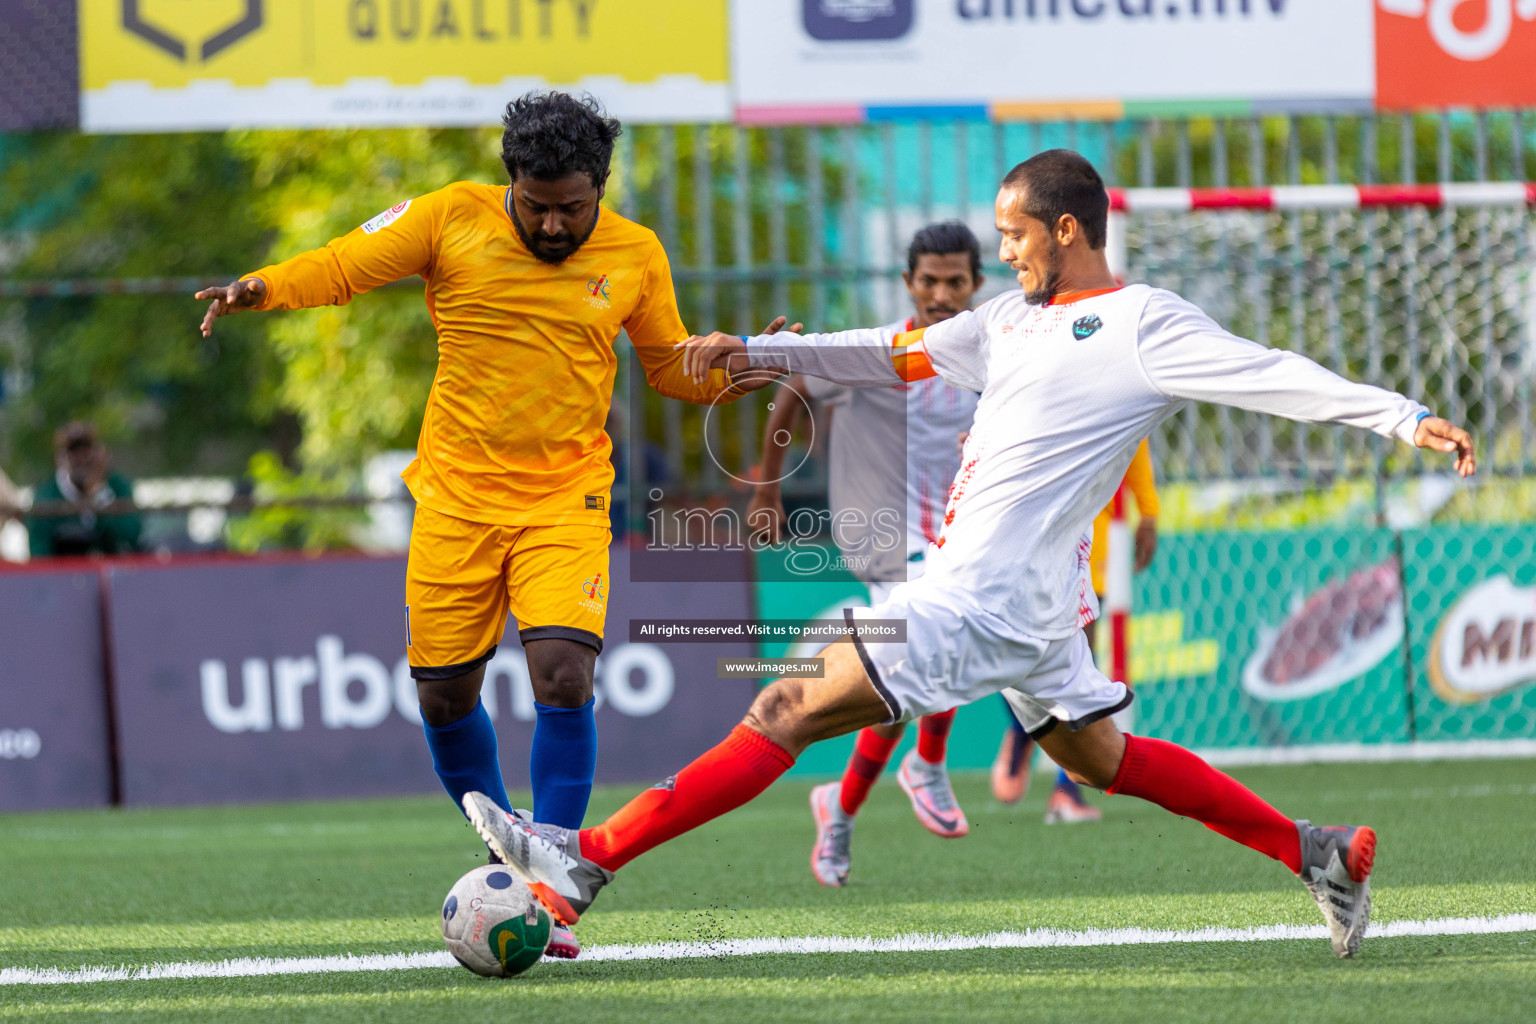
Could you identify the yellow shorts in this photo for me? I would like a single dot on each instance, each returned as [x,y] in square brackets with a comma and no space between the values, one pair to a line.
[463,578]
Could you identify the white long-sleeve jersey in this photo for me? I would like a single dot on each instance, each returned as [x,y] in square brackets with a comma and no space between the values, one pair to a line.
[892,452]
[1067,393]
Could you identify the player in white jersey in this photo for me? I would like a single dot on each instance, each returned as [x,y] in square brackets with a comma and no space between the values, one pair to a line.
[1073,372]
[891,454]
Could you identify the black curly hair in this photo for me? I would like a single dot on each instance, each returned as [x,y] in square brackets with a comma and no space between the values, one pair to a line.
[943,238]
[549,135]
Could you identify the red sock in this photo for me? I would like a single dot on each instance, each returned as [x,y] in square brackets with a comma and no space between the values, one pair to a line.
[721,779]
[870,755]
[933,736]
[1179,781]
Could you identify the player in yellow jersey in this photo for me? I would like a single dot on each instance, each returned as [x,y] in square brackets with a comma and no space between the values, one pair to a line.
[1010,772]
[529,285]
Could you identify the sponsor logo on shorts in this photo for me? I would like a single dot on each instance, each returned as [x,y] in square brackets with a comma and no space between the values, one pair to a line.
[1086,327]
[386,218]
[593,594]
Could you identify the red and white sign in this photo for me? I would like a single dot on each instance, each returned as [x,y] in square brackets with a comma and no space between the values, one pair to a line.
[1439,53]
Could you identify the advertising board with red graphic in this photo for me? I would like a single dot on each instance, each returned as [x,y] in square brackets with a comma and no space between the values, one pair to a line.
[1441,53]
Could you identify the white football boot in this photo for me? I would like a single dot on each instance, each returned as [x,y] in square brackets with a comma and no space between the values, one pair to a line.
[933,798]
[563,944]
[546,857]
[830,857]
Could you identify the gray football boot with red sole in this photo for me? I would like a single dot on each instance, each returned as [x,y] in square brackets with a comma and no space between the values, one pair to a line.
[1336,862]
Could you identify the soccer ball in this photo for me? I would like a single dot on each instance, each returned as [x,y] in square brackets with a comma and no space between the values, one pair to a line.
[493,925]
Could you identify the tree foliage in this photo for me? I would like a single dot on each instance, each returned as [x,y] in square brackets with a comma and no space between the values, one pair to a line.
[356,377]
[142,206]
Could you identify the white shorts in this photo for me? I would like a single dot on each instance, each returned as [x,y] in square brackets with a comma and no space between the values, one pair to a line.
[957,653]
[880,590]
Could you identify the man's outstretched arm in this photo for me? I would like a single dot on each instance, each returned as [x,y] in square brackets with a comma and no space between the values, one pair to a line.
[398,243]
[867,358]
[1187,356]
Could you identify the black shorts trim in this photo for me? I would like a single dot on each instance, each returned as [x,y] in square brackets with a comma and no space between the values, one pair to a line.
[581,636]
[452,671]
[869,667]
[1079,724]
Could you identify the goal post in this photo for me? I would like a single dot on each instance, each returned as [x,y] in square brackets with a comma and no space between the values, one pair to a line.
[1354,626]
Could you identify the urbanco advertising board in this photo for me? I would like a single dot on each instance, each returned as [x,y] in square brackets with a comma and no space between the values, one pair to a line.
[53,717]
[270,681]
[853,60]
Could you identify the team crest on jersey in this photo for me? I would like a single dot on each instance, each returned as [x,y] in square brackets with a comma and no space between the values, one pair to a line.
[1086,328]
[386,218]
[592,593]
[597,292]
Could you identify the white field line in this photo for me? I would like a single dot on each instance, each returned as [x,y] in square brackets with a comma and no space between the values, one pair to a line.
[1340,753]
[1034,938]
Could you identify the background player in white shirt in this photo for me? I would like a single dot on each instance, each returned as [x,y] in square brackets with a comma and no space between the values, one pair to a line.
[892,449]
[1073,373]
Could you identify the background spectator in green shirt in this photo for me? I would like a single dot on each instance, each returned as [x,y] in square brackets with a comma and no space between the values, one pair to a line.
[85,488]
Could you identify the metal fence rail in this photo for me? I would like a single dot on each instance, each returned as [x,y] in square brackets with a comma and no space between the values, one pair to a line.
[813,222]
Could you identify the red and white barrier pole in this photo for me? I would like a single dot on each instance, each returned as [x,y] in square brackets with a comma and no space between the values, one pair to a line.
[1117,597]
[1120,558]
[1324,197]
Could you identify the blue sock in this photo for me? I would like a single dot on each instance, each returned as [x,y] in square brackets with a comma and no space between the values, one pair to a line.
[562,762]
[464,757]
[1066,785]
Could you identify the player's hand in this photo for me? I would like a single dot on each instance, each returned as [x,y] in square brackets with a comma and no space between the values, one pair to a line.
[765,515]
[757,377]
[231,298]
[778,325]
[1145,544]
[711,352]
[1445,436]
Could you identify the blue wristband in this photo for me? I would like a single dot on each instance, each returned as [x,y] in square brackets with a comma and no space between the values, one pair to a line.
[743,337]
[1421,417]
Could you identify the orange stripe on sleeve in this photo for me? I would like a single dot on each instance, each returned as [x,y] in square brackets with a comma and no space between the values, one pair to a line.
[910,357]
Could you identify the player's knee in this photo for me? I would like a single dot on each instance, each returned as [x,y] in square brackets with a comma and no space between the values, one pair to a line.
[564,683]
[445,701]
[778,710]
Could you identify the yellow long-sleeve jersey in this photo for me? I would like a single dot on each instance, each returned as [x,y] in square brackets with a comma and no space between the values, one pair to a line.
[513,433]
[1140,479]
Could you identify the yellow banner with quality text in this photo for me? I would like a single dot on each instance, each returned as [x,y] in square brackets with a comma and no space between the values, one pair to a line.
[192,65]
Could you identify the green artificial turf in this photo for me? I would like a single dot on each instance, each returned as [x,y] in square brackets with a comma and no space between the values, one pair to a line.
[137,887]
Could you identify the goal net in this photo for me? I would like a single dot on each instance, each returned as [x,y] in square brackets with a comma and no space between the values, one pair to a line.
[1382,602]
